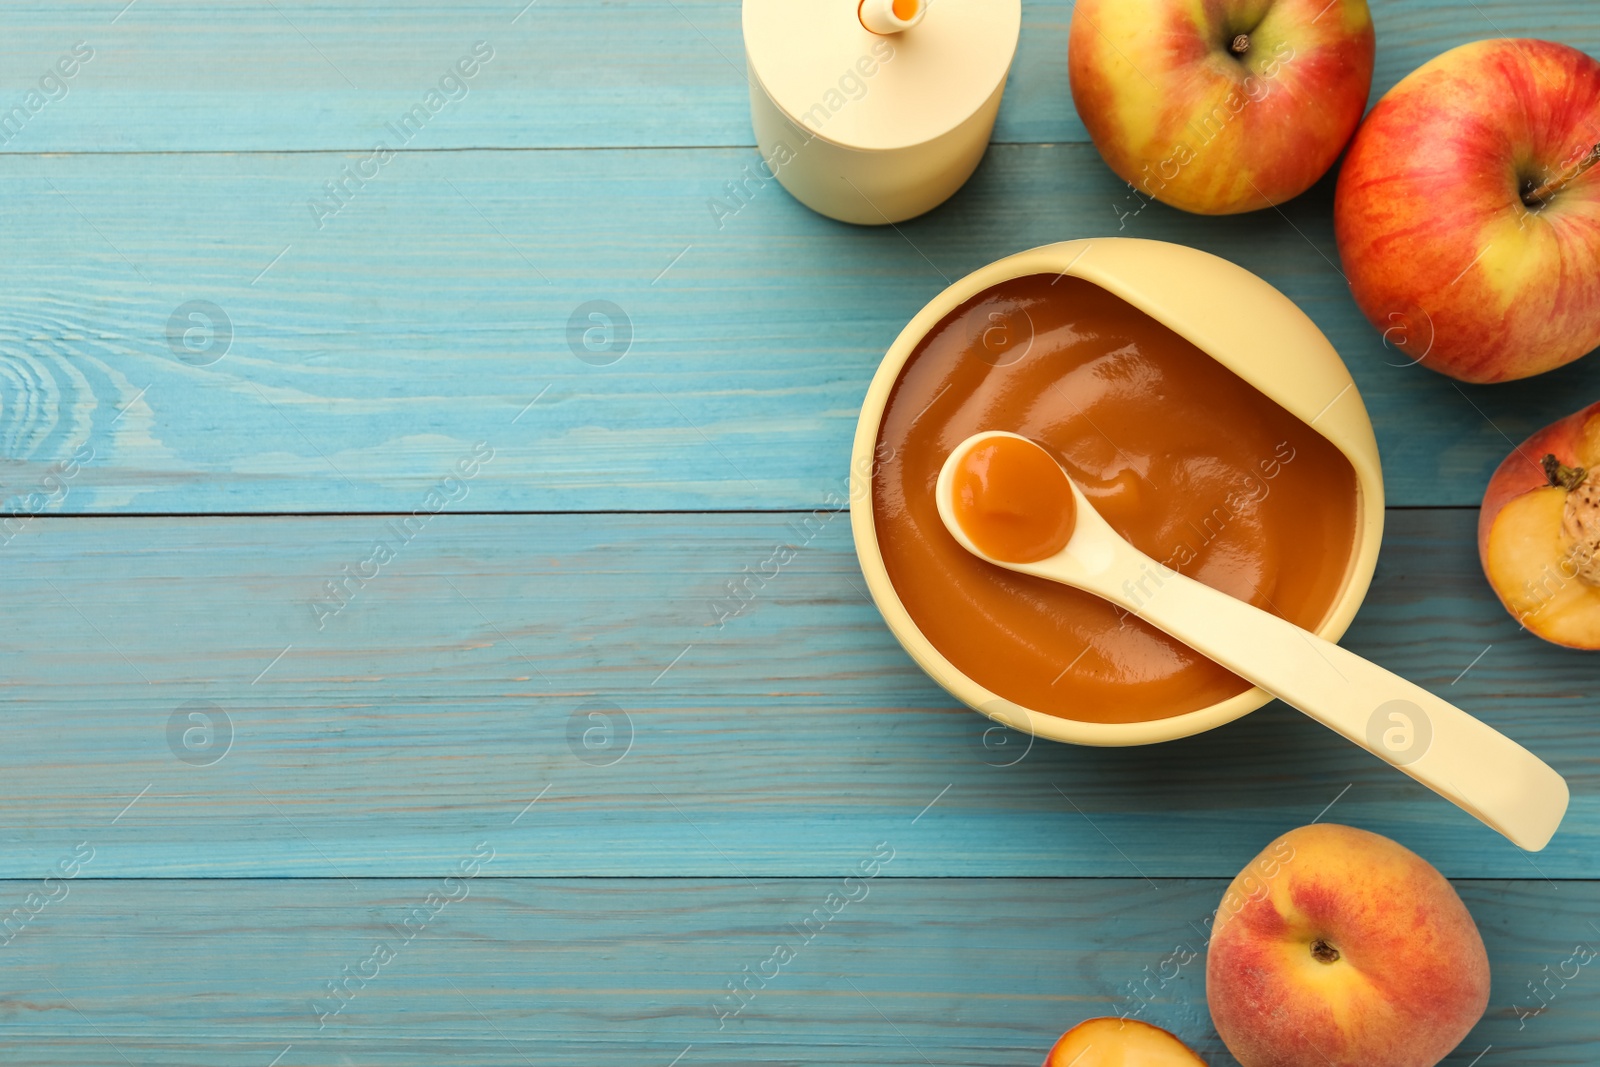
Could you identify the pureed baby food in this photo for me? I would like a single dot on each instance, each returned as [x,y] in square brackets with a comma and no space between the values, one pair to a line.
[1183,458]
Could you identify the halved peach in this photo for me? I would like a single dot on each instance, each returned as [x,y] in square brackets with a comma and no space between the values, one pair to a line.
[1113,1042]
[1539,531]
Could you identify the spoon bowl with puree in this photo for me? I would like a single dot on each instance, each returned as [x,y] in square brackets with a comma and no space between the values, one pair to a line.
[1009,502]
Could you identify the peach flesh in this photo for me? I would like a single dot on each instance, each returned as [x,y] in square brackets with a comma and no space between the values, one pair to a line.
[1539,532]
[1112,1042]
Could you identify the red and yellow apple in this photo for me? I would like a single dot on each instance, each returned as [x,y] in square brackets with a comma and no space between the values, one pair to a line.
[1539,531]
[1356,952]
[1112,1042]
[1468,215]
[1223,106]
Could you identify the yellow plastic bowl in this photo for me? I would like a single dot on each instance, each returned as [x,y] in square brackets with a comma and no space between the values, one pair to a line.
[1234,317]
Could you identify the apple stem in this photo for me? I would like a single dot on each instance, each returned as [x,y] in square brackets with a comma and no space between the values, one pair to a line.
[1541,195]
[1241,44]
[1562,476]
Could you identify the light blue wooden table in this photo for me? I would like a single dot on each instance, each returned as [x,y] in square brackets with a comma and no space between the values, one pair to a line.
[506,783]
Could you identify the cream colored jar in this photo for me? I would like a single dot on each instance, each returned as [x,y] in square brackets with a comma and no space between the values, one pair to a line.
[874,128]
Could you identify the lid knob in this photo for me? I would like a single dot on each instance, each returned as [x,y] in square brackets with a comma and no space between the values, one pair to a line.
[891,16]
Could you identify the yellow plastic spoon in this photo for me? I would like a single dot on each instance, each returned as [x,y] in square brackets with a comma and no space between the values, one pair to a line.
[1465,761]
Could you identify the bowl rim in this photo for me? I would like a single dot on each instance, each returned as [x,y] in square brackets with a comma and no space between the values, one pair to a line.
[1179,286]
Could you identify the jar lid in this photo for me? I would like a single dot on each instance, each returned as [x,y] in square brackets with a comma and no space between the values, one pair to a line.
[840,81]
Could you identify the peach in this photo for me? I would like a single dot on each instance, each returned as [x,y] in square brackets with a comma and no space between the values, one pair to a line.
[1354,952]
[1114,1042]
[1539,531]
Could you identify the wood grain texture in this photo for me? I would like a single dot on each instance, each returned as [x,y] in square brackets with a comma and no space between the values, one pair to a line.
[577,658]
[359,361]
[664,795]
[207,76]
[912,971]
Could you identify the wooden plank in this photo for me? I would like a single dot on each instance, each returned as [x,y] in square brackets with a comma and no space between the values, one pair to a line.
[576,660]
[512,971]
[206,75]
[360,362]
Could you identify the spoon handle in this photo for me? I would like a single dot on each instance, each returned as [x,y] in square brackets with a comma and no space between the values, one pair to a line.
[1462,759]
